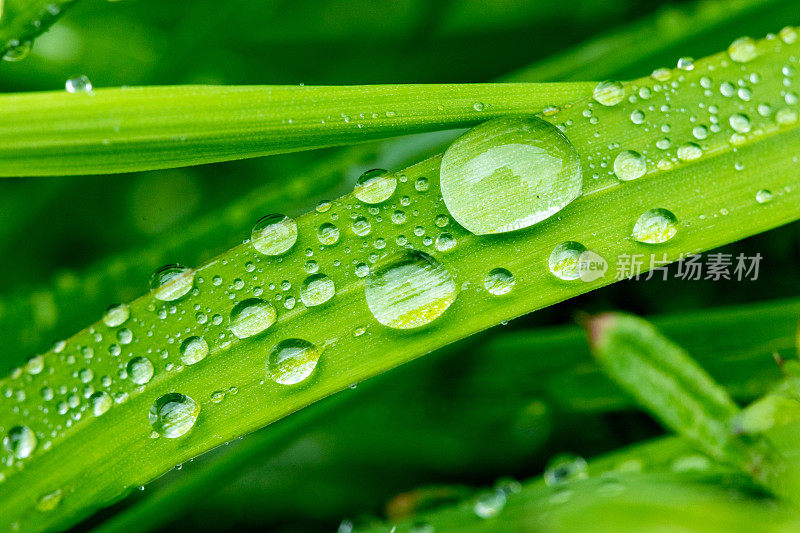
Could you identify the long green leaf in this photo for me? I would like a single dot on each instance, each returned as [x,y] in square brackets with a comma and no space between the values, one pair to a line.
[146,128]
[714,201]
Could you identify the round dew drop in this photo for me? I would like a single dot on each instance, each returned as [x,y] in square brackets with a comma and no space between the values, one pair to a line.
[565,468]
[252,316]
[609,93]
[173,415]
[79,84]
[193,350]
[655,226]
[171,282]
[274,234]
[743,50]
[316,289]
[509,173]
[764,196]
[100,402]
[689,152]
[49,501]
[140,370]
[564,262]
[740,123]
[499,281]
[409,290]
[489,504]
[375,186]
[328,234]
[292,361]
[116,315]
[20,441]
[629,165]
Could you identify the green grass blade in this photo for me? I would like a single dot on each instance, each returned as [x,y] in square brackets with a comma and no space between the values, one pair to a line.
[734,344]
[118,440]
[23,20]
[146,128]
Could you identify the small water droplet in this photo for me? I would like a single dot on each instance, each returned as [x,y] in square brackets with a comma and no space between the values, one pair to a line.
[740,123]
[361,226]
[116,315]
[49,501]
[564,262]
[743,49]
[629,165]
[78,84]
[173,415]
[100,402]
[564,469]
[274,234]
[409,290]
[252,316]
[445,242]
[686,63]
[788,35]
[140,370]
[509,173]
[763,196]
[17,51]
[689,152]
[375,186]
[316,290]
[328,234]
[20,441]
[609,92]
[292,360]
[171,282]
[655,226]
[193,350]
[499,281]
[489,504]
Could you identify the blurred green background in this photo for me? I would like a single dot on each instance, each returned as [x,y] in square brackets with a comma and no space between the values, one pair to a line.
[463,417]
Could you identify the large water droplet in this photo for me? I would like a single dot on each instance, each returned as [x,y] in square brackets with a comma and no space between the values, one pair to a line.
[328,234]
[564,260]
[193,350]
[375,186]
[565,468]
[171,282]
[274,234]
[743,49]
[292,360]
[508,174]
[629,165]
[609,92]
[140,370]
[116,315]
[499,281]
[316,290]
[173,415]
[100,402]
[20,441]
[79,84]
[409,290]
[251,316]
[655,226]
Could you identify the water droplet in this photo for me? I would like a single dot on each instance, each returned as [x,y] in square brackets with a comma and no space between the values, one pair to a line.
[193,350]
[637,116]
[686,63]
[49,501]
[700,132]
[763,196]
[316,290]
[630,165]
[140,370]
[252,316]
[79,84]
[609,92]
[20,441]
[274,234]
[499,281]
[655,226]
[661,74]
[788,35]
[100,402]
[361,226]
[292,360]
[509,173]
[564,262]
[171,282]
[421,184]
[116,315]
[689,152]
[478,106]
[34,365]
[445,242]
[489,504]
[565,468]
[786,116]
[740,123]
[743,50]
[173,415]
[409,290]
[17,51]
[375,186]
[328,234]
